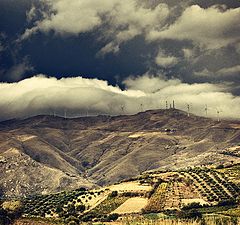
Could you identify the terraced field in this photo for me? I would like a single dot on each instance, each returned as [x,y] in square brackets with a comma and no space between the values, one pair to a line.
[204,186]
[156,202]
[213,186]
[205,189]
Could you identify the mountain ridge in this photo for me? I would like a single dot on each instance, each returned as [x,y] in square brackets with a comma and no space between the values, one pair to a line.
[100,150]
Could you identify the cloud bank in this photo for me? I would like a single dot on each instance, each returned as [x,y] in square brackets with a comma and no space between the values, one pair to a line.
[211,28]
[227,73]
[79,96]
[120,21]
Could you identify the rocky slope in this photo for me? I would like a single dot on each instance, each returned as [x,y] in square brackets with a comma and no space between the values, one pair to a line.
[45,154]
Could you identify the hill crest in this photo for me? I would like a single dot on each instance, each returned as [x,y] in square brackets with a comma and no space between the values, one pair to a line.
[88,151]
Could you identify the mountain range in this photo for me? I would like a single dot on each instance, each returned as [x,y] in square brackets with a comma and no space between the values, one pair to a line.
[46,154]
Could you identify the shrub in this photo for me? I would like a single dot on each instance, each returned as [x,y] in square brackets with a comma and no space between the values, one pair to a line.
[10,211]
[112,217]
[113,194]
[221,166]
[88,217]
[189,214]
[227,202]
[193,205]
[130,194]
[59,209]
[80,208]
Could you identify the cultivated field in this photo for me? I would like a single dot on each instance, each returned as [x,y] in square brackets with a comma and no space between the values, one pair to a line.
[182,195]
[132,205]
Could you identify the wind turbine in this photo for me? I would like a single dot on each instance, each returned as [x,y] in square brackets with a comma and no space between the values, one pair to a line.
[122,108]
[188,109]
[218,114]
[166,104]
[206,109]
[141,107]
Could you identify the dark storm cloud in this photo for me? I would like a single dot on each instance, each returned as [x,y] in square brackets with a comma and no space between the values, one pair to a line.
[213,27]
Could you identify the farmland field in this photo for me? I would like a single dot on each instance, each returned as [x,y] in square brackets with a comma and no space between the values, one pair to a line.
[172,193]
[132,205]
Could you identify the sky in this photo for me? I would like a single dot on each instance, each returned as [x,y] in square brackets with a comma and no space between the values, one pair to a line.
[89,57]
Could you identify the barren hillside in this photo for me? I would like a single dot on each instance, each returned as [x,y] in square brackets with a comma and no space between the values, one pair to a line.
[47,154]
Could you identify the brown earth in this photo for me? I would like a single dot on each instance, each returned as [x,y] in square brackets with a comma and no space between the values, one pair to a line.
[45,154]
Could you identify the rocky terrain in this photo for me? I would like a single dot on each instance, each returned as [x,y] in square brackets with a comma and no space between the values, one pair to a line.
[45,154]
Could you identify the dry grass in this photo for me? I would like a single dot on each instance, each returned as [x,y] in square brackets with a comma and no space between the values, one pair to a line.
[25,137]
[208,221]
[132,205]
[146,134]
[130,186]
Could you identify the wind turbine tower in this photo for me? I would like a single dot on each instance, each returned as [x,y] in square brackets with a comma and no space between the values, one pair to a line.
[206,110]
[122,109]
[218,115]
[166,104]
[188,109]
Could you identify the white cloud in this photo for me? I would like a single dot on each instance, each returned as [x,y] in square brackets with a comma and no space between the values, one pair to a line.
[110,47]
[130,19]
[228,72]
[203,73]
[211,28]
[120,21]
[39,94]
[123,20]
[235,70]
[31,14]
[188,53]
[165,60]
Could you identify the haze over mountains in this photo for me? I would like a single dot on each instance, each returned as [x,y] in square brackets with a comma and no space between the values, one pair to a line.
[46,154]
